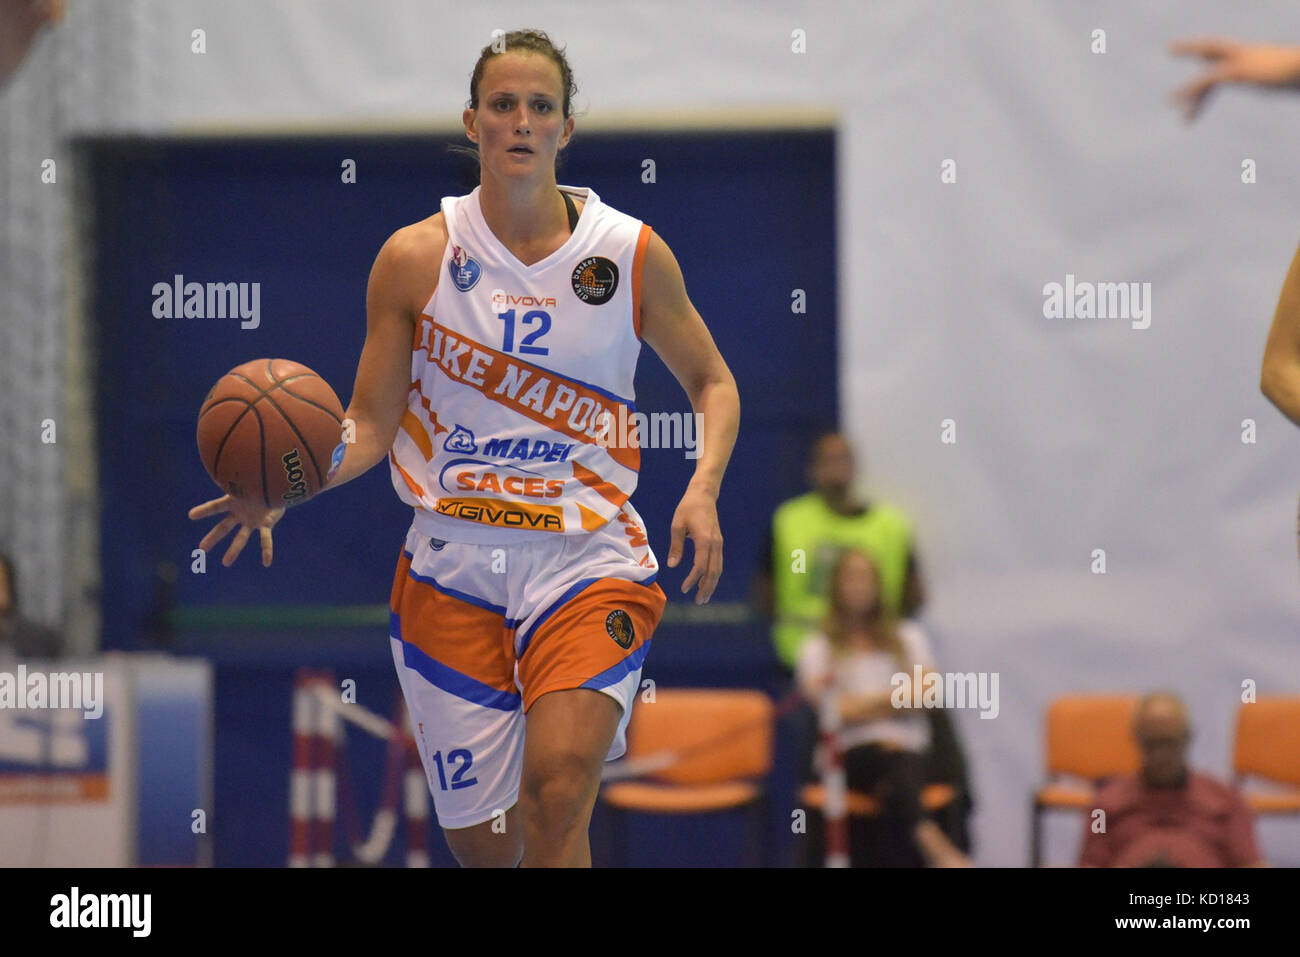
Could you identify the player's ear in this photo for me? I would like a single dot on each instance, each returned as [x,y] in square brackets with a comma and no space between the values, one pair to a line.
[468,119]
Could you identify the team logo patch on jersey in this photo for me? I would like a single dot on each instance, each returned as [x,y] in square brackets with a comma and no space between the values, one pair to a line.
[465,270]
[461,440]
[619,625]
[595,279]
[437,544]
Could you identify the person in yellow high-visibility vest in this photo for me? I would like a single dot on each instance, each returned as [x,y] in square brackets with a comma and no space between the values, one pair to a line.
[807,534]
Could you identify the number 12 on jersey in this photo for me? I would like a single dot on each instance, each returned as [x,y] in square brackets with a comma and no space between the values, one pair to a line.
[533,317]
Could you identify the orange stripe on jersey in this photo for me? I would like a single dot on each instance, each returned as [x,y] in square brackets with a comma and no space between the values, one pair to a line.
[441,625]
[608,490]
[410,482]
[636,536]
[545,397]
[438,427]
[638,264]
[412,427]
[504,514]
[590,520]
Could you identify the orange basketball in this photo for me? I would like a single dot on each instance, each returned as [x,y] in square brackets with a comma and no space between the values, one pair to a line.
[267,431]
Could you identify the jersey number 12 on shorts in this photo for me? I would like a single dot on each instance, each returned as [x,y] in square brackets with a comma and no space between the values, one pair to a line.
[460,756]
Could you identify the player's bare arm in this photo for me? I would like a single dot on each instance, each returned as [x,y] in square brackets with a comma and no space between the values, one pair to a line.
[1230,61]
[673,328]
[401,281]
[1280,376]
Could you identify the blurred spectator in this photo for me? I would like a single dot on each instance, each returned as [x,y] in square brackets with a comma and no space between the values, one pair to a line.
[805,537]
[808,532]
[1168,815]
[855,657]
[19,637]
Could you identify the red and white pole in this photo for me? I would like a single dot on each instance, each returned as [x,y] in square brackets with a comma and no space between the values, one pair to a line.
[417,811]
[325,778]
[834,787]
[300,775]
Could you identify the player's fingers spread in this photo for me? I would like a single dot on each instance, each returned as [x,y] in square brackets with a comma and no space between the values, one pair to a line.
[237,545]
[1212,48]
[214,507]
[1192,95]
[266,547]
[217,533]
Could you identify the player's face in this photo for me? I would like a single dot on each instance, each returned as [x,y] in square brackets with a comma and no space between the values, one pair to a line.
[521,103]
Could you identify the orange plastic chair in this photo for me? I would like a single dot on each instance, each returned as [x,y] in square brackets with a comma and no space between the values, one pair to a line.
[722,740]
[934,797]
[1088,737]
[1267,747]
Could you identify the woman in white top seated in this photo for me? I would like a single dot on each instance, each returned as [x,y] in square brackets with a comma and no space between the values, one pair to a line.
[856,657]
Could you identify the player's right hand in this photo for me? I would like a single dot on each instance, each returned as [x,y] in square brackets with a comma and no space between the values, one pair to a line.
[242,513]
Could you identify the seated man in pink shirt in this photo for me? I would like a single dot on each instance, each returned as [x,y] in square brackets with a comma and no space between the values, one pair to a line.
[1168,815]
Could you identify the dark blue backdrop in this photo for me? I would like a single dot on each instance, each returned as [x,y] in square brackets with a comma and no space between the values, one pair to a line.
[750,217]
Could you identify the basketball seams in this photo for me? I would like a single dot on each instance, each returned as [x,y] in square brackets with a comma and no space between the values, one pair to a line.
[247,377]
[306,446]
[261,432]
[306,401]
[279,384]
[216,459]
[266,491]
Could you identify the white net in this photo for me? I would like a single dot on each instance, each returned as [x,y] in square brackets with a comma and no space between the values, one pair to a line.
[86,74]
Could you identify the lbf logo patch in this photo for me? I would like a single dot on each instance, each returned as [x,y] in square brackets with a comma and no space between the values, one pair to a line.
[595,279]
[464,269]
[619,625]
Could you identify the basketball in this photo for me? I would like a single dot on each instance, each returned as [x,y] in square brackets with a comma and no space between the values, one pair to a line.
[267,430]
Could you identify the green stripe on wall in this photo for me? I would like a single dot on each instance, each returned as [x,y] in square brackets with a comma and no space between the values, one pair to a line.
[248,617]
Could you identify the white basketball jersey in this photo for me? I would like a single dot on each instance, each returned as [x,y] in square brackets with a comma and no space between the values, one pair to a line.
[521,382]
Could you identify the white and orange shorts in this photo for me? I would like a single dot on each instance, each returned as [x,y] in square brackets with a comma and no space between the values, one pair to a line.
[480,632]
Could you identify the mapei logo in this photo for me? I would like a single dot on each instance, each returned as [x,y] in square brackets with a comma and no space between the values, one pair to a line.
[504,300]
[461,440]
[465,270]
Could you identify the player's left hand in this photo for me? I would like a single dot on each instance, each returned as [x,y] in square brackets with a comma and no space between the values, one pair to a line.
[696,518]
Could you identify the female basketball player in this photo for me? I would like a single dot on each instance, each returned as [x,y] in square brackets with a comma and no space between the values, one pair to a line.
[502,336]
